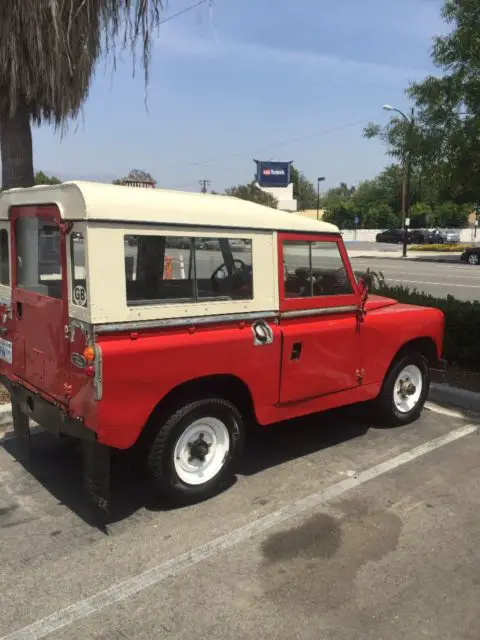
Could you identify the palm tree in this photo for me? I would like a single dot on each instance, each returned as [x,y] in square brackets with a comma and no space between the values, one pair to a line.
[48,54]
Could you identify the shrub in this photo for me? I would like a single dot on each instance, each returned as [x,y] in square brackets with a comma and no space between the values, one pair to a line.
[443,248]
[462,322]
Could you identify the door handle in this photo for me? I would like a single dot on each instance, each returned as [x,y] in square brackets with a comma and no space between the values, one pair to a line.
[19,308]
[296,351]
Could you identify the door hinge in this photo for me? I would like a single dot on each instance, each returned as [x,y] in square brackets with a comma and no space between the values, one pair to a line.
[360,375]
[65,227]
[69,332]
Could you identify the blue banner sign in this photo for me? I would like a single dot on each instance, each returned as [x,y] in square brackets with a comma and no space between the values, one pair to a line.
[273,174]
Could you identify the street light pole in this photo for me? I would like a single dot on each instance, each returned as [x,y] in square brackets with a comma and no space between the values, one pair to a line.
[318,195]
[406,175]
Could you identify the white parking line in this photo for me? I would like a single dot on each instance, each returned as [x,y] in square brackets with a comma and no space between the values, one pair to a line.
[178,565]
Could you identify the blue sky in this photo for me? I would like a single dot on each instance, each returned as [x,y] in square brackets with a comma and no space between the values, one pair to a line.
[256,81]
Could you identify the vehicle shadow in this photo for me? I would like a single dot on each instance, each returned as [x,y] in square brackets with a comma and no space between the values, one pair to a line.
[57,463]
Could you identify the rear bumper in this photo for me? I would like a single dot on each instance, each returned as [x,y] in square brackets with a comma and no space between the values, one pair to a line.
[50,416]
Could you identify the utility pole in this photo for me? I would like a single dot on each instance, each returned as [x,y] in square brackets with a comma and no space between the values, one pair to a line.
[203,185]
[319,180]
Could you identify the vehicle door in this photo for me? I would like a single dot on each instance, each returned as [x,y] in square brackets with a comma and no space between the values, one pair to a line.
[319,302]
[39,299]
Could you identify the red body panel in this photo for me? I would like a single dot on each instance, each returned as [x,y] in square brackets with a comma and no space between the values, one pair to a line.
[138,373]
[330,356]
[40,351]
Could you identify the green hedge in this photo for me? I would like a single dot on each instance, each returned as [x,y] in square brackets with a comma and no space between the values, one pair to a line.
[440,248]
[462,323]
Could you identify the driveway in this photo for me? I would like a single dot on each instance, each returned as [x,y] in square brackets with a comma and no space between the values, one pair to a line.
[334,529]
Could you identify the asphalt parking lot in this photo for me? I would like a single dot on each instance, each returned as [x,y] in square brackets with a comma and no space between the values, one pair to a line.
[334,529]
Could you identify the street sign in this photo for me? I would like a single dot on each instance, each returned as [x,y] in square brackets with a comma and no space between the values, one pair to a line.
[357,219]
[407,222]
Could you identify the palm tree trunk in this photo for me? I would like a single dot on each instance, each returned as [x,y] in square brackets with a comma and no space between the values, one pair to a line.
[16,149]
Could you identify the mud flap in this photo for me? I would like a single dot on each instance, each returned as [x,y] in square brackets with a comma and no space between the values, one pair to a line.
[21,428]
[96,477]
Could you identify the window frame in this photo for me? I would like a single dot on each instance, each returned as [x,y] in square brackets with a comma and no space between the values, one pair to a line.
[5,226]
[316,302]
[196,300]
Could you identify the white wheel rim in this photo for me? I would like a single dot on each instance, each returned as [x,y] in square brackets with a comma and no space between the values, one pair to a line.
[473,258]
[209,440]
[408,388]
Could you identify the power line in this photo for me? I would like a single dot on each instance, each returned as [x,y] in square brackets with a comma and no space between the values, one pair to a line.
[185,10]
[271,146]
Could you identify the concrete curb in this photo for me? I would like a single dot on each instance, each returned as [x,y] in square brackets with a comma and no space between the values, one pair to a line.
[441,394]
[461,398]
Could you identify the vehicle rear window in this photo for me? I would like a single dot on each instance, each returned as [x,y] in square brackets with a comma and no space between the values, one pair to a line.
[77,261]
[39,264]
[172,269]
[314,269]
[4,258]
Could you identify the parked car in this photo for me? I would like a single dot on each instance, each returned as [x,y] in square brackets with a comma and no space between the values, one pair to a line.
[471,255]
[419,236]
[175,362]
[443,236]
[392,236]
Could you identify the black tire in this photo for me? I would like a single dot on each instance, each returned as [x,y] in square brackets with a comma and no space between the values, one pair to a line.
[385,406]
[161,463]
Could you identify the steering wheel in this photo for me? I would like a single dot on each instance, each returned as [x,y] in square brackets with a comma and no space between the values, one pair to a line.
[222,272]
[241,270]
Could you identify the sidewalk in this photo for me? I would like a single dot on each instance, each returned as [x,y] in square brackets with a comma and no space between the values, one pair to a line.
[418,256]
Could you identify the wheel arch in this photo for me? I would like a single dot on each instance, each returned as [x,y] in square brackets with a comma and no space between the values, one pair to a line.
[424,345]
[226,386]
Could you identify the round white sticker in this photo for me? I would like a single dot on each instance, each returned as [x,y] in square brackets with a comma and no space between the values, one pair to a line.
[80,295]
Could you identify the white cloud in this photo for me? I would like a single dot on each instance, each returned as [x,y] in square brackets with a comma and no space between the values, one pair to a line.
[178,43]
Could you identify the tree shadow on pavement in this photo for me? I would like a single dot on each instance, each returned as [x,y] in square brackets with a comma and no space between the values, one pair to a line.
[57,463]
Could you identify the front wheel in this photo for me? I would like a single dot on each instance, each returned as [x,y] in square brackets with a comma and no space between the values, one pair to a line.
[405,390]
[196,450]
[473,259]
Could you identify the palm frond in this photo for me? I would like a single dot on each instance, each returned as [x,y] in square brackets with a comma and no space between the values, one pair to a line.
[49,49]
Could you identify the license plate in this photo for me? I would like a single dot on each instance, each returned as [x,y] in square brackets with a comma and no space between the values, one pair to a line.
[6,350]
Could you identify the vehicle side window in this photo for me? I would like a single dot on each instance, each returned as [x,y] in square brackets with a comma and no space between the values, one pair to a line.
[313,269]
[39,264]
[79,278]
[4,258]
[169,269]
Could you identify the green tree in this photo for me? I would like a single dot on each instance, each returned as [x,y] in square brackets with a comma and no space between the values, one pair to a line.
[136,175]
[421,216]
[443,143]
[304,191]
[342,215]
[42,178]
[449,104]
[48,54]
[380,216]
[252,193]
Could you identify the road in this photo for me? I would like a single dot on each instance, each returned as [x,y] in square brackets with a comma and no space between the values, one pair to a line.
[334,530]
[438,279]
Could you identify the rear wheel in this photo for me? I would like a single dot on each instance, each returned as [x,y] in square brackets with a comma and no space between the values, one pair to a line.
[473,258]
[195,451]
[404,390]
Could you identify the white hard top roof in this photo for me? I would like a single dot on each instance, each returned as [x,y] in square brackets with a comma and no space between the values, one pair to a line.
[130,205]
